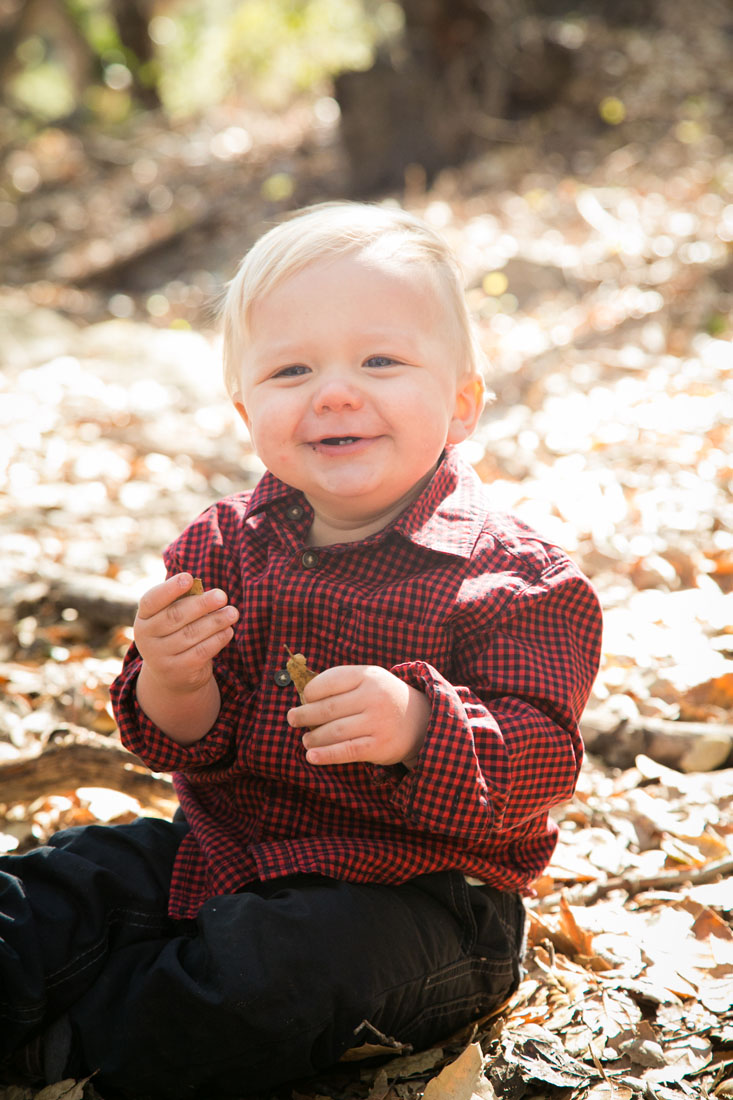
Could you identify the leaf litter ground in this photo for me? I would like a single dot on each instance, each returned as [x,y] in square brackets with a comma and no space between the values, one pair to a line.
[600,276]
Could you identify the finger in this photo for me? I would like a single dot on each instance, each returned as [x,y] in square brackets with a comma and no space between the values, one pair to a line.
[333,681]
[169,661]
[182,615]
[163,595]
[345,752]
[348,728]
[191,635]
[331,708]
[206,649]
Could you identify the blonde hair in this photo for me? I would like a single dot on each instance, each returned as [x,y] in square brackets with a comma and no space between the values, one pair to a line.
[334,229]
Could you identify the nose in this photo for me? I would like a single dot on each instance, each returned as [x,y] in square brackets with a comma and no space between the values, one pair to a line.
[336,393]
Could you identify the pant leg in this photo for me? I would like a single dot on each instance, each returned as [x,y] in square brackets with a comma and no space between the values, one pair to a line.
[274,983]
[64,906]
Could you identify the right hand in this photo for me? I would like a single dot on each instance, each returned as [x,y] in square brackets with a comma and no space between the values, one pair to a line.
[178,639]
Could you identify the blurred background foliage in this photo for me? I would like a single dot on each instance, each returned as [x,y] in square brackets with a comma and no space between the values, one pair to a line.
[100,61]
[144,141]
[416,83]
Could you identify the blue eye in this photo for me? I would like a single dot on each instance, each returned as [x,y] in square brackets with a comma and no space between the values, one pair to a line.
[380,361]
[292,371]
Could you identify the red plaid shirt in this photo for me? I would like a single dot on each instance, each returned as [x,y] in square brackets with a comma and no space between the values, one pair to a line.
[498,628]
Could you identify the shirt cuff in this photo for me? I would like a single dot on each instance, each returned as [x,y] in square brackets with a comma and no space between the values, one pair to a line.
[156,749]
[447,784]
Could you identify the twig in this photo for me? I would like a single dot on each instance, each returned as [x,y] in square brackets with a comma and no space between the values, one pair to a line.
[632,885]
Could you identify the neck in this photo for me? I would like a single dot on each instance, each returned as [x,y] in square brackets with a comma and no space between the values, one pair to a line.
[328,529]
[326,532]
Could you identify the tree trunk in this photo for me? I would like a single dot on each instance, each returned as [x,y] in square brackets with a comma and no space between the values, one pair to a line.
[433,97]
[133,20]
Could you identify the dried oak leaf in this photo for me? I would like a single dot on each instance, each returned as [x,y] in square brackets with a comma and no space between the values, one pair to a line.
[196,589]
[300,674]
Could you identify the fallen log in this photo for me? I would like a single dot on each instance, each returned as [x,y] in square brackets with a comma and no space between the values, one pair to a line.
[73,757]
[99,600]
[684,746]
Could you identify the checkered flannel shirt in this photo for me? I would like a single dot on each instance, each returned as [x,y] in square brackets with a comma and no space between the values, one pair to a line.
[496,625]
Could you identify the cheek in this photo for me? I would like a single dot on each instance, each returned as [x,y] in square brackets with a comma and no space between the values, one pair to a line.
[267,419]
[257,435]
[425,414]
[272,432]
[265,441]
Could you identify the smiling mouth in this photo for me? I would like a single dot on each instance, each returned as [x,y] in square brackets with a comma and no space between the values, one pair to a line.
[339,440]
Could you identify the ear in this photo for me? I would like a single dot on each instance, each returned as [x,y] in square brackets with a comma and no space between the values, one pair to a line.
[468,408]
[241,410]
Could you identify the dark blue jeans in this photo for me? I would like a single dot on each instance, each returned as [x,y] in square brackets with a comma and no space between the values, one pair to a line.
[264,986]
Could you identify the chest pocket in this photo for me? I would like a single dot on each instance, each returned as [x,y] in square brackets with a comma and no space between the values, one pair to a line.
[367,638]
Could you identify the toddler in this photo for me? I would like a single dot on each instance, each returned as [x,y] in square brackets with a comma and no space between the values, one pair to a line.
[351,866]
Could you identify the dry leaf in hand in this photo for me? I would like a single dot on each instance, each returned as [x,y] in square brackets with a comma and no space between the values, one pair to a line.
[196,589]
[300,674]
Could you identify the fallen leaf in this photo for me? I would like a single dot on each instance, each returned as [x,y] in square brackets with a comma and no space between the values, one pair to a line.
[366,1050]
[63,1090]
[716,894]
[541,1057]
[644,1048]
[717,692]
[414,1065]
[380,1087]
[716,994]
[687,1057]
[707,922]
[461,1080]
[608,1090]
[581,940]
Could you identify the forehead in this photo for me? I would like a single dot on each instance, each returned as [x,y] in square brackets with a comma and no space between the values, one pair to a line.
[390,284]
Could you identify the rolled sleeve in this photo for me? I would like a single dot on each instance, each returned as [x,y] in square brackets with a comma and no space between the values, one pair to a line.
[154,747]
[505,750]
[446,792]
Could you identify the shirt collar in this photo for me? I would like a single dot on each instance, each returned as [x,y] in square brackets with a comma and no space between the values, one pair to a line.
[268,491]
[448,516]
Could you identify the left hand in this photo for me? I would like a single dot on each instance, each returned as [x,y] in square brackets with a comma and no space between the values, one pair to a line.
[361,712]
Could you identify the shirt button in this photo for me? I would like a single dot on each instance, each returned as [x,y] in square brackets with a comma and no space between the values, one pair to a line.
[282,677]
[295,511]
[309,559]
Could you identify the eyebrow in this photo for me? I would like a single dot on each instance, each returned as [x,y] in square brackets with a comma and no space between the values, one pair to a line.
[371,338]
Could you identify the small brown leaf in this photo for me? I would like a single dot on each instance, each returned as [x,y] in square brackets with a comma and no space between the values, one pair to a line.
[196,589]
[581,939]
[300,674]
[717,692]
